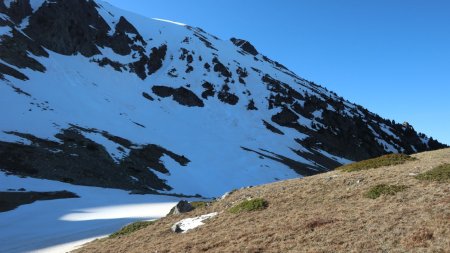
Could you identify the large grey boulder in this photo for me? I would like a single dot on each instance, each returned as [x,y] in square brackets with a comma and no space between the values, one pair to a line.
[182,207]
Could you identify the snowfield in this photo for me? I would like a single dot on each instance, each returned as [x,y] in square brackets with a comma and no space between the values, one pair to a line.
[64,224]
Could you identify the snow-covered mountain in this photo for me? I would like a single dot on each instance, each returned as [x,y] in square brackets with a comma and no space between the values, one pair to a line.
[94,95]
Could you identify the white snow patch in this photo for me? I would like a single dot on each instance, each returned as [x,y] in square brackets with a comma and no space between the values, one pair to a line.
[36,4]
[4,29]
[388,131]
[330,108]
[191,223]
[387,146]
[169,21]
[318,114]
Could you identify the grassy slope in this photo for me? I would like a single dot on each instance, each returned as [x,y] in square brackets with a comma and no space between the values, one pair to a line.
[322,213]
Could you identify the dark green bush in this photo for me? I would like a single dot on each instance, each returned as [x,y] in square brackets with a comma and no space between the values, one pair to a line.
[198,204]
[438,174]
[249,206]
[384,189]
[128,229]
[386,160]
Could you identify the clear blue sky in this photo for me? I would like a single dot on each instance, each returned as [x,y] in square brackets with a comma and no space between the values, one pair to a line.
[390,56]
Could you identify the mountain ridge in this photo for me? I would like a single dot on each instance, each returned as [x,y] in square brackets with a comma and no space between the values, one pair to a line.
[113,99]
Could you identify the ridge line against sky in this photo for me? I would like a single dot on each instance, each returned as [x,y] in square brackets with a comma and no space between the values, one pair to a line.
[392,57]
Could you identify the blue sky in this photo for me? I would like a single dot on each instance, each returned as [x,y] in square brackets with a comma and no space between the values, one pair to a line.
[392,57]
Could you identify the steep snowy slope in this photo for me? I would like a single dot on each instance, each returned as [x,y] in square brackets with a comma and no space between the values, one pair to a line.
[93,95]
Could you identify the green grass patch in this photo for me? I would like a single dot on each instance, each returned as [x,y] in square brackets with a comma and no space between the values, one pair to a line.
[385,160]
[384,189]
[249,206]
[438,174]
[198,204]
[128,229]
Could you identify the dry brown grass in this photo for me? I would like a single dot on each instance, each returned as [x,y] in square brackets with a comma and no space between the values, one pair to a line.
[322,213]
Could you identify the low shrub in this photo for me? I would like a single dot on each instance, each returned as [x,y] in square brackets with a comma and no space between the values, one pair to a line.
[128,229]
[250,205]
[384,189]
[385,160]
[438,174]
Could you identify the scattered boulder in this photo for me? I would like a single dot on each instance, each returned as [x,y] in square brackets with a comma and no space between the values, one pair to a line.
[176,228]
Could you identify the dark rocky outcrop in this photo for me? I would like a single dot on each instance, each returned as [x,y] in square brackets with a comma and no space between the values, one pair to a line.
[220,68]
[242,73]
[117,66]
[272,128]
[156,58]
[201,35]
[14,50]
[18,10]
[207,66]
[69,27]
[286,118]
[139,67]
[226,96]
[251,105]
[147,96]
[182,207]
[123,26]
[245,46]
[209,90]
[6,70]
[163,91]
[78,160]
[181,95]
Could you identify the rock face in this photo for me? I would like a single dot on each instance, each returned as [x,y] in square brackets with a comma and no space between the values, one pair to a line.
[69,27]
[93,95]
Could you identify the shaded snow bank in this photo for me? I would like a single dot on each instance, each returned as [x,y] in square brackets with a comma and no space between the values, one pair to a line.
[62,225]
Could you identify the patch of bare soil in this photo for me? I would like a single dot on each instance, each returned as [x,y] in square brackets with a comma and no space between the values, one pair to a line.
[322,213]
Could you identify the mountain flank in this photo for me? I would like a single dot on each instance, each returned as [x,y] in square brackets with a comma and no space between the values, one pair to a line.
[94,95]
[329,212]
